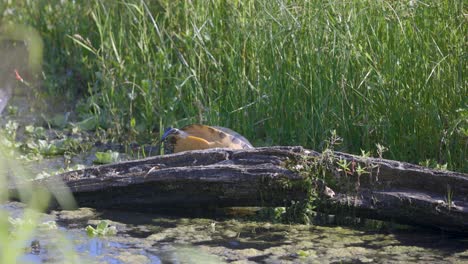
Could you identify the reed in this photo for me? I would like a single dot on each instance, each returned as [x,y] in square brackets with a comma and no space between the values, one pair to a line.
[279,72]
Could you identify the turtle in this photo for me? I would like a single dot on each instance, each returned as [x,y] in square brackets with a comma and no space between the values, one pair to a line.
[198,136]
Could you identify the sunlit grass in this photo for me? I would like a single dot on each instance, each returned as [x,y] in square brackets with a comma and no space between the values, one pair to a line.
[281,72]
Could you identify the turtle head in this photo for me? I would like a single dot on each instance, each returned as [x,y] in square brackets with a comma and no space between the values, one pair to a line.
[170,138]
[170,131]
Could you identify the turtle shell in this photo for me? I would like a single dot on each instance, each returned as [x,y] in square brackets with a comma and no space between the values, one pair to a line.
[197,136]
[236,135]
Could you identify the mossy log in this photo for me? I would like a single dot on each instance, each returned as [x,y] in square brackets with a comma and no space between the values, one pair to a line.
[387,190]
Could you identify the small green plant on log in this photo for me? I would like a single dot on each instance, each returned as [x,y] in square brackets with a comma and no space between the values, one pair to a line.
[327,170]
[449,197]
[316,171]
[302,211]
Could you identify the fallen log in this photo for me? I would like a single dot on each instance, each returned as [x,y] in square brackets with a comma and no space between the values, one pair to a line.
[386,189]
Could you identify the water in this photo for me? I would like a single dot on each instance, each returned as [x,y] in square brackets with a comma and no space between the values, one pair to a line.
[150,238]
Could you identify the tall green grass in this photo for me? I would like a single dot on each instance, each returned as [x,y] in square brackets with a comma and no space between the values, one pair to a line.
[280,72]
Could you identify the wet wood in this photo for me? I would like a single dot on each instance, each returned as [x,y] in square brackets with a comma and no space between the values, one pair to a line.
[389,190]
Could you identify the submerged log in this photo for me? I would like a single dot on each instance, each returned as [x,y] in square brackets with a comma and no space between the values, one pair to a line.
[386,190]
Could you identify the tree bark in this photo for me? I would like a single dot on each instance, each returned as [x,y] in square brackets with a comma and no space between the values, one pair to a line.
[389,190]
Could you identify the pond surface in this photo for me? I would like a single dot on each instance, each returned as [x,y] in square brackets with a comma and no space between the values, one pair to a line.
[150,238]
